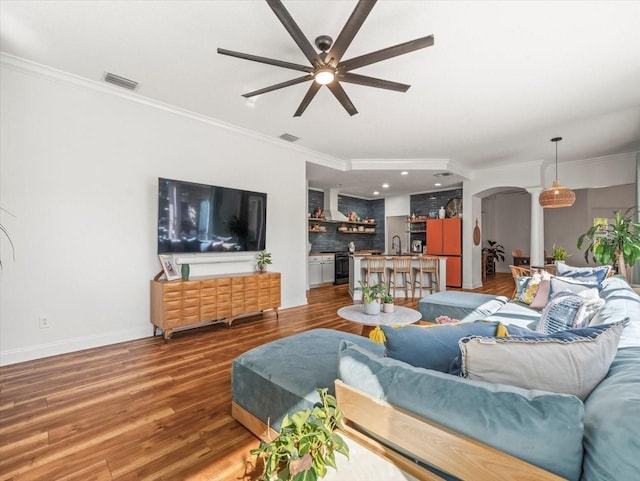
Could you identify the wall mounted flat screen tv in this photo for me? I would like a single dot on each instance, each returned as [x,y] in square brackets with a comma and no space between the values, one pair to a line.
[206,218]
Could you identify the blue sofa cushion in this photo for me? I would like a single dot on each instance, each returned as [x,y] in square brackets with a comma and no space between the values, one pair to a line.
[463,306]
[281,377]
[572,361]
[433,347]
[516,314]
[612,422]
[621,302]
[542,428]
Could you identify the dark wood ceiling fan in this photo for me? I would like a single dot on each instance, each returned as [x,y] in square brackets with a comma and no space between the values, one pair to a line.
[327,67]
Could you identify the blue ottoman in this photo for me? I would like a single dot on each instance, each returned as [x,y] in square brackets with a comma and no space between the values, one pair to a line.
[281,377]
[464,306]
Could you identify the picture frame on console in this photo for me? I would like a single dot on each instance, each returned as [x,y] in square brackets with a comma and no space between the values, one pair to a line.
[169,267]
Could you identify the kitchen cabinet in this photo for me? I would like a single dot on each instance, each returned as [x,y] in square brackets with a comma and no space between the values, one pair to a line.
[321,270]
[444,238]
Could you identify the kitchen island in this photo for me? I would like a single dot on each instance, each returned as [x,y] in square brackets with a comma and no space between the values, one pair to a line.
[358,271]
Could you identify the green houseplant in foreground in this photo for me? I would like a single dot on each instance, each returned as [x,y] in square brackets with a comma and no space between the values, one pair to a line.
[618,242]
[306,445]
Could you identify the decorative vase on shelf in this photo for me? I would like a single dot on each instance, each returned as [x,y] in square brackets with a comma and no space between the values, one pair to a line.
[185,272]
[442,213]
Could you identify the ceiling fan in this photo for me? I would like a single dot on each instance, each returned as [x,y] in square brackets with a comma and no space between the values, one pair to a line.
[327,67]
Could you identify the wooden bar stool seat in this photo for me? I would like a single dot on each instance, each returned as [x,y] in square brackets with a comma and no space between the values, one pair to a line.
[430,267]
[376,265]
[401,267]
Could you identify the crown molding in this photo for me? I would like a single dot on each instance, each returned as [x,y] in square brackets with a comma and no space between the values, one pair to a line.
[409,164]
[28,67]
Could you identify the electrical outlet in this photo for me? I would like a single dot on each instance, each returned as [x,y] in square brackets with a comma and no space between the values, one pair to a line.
[44,322]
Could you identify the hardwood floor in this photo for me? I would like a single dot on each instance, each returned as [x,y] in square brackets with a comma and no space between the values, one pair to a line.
[145,409]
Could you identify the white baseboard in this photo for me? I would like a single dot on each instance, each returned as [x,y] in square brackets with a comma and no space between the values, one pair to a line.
[29,353]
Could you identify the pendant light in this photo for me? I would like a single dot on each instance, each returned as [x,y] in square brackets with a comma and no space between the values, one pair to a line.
[557,196]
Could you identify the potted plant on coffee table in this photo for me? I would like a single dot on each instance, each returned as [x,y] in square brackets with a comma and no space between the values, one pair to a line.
[617,243]
[306,445]
[371,296]
[387,300]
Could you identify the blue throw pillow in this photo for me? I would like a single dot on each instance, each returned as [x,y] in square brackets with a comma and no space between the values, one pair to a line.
[567,310]
[433,347]
[594,275]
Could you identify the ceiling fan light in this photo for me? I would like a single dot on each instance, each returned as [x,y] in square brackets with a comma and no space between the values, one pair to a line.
[324,76]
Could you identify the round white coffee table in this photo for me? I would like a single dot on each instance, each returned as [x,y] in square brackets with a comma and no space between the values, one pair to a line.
[399,317]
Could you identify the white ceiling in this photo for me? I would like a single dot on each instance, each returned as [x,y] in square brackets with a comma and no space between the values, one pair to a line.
[502,79]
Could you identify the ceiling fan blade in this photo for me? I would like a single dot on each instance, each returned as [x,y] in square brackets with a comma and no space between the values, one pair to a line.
[354,78]
[313,90]
[295,32]
[281,85]
[386,53]
[349,31]
[341,95]
[269,61]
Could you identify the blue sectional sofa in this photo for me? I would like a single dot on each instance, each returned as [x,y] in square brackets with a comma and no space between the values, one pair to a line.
[456,427]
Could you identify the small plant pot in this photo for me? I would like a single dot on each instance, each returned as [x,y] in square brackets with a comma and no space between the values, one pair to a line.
[262,268]
[388,307]
[372,308]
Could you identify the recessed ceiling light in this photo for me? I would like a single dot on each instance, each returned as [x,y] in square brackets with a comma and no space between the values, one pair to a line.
[437,184]
[385,186]
[404,172]
[376,192]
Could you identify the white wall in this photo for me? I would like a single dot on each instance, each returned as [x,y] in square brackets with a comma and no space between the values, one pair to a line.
[564,226]
[510,224]
[79,169]
[615,172]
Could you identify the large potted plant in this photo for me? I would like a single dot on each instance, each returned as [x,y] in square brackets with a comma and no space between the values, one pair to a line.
[617,243]
[306,445]
[371,296]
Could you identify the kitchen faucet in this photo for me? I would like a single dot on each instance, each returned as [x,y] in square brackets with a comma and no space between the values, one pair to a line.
[393,244]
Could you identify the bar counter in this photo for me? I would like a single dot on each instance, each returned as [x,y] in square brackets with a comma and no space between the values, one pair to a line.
[358,271]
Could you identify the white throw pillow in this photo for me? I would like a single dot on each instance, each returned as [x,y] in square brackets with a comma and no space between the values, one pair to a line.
[570,362]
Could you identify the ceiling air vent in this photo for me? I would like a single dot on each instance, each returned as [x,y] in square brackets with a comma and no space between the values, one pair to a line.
[120,81]
[443,174]
[289,137]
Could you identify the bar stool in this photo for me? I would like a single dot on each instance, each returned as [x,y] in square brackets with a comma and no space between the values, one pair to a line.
[376,265]
[429,266]
[401,267]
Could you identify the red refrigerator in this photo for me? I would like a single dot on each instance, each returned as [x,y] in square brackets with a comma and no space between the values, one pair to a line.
[444,238]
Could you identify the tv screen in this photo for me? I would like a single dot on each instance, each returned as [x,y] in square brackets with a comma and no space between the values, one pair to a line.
[206,218]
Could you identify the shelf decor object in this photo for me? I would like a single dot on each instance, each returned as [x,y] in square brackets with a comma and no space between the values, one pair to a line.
[557,196]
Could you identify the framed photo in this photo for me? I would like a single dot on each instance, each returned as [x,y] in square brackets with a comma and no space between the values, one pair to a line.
[169,267]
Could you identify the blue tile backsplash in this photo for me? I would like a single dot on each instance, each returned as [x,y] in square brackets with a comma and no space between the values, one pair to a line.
[332,240]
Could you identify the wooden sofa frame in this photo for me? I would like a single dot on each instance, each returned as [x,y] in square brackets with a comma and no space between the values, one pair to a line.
[436,445]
